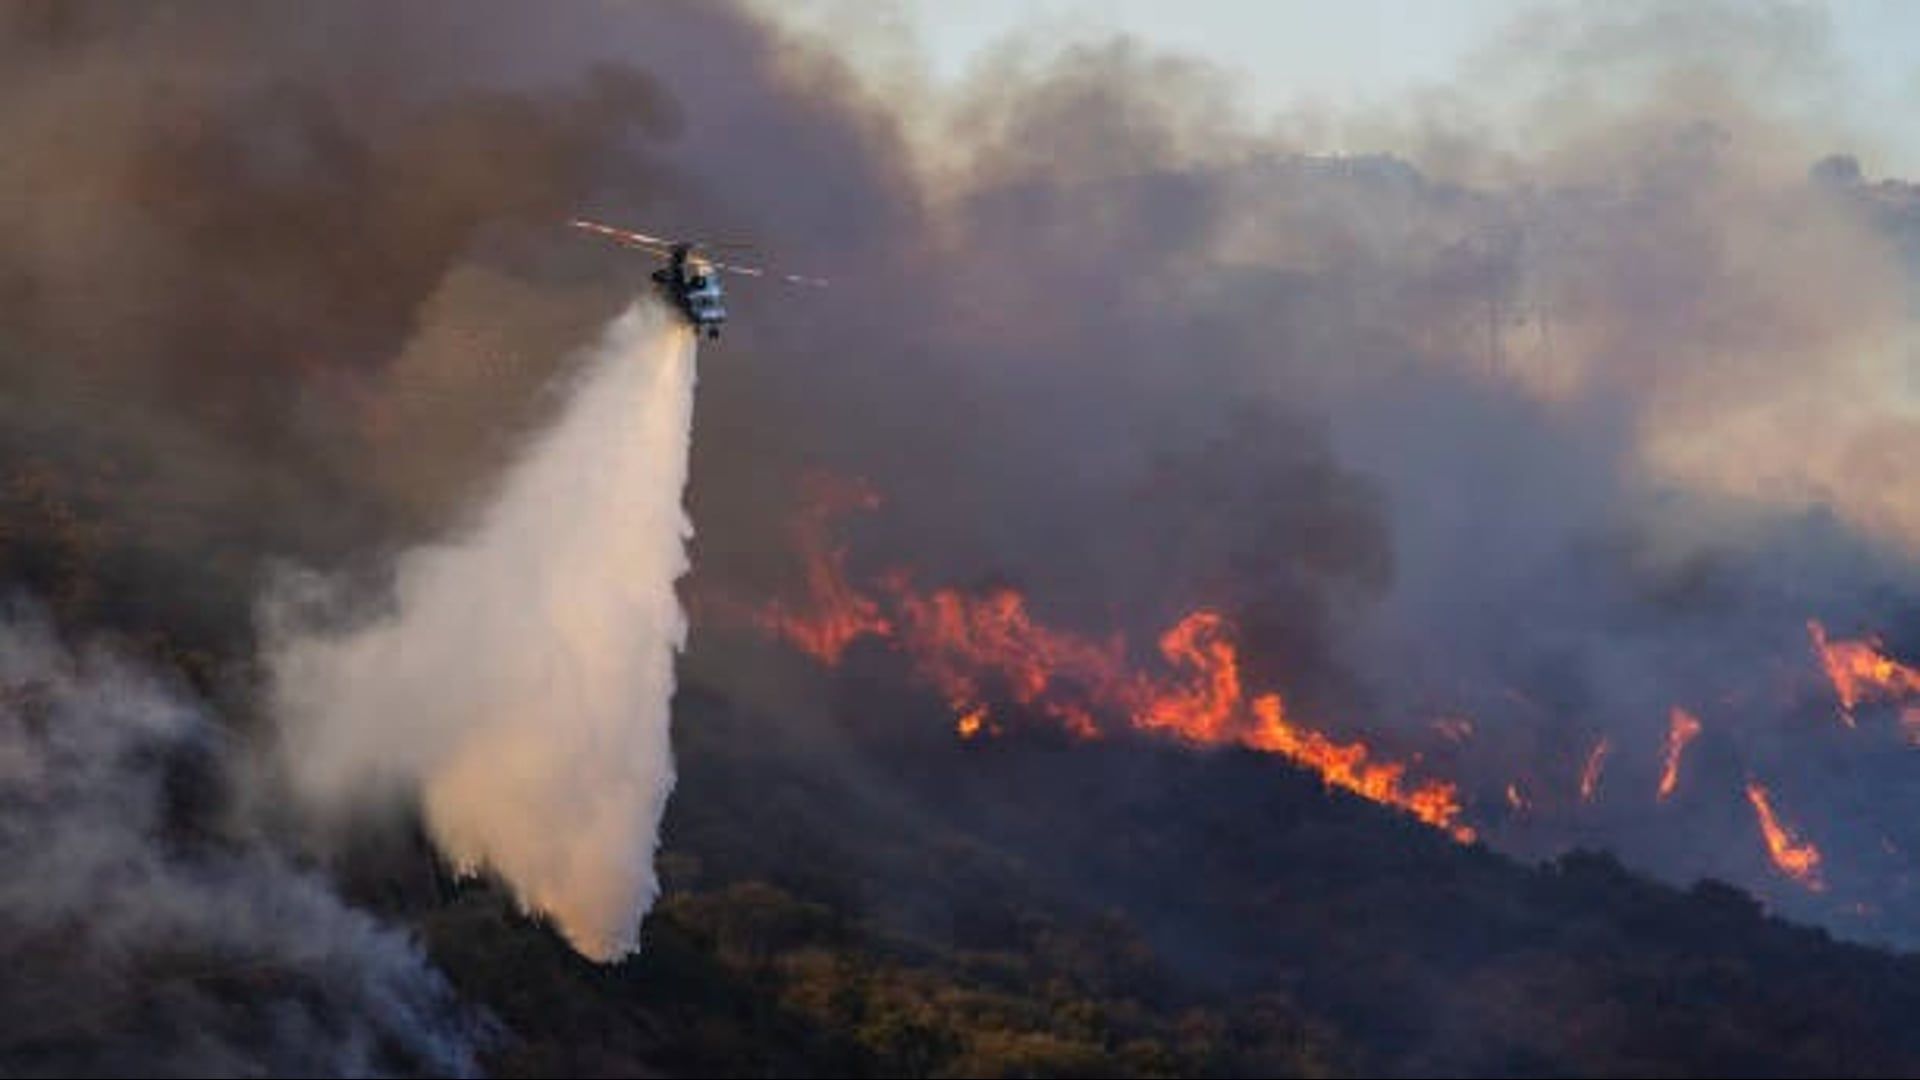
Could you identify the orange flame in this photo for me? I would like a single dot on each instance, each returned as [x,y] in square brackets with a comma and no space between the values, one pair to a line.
[978,648]
[1207,710]
[838,613]
[1347,766]
[1794,857]
[1590,772]
[968,647]
[1682,728]
[1860,670]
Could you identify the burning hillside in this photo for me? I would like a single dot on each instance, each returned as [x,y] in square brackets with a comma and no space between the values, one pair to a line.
[1003,671]
[986,652]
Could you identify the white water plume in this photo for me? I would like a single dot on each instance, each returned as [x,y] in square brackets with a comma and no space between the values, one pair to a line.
[522,680]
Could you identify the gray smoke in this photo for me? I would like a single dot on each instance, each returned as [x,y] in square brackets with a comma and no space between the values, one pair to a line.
[146,932]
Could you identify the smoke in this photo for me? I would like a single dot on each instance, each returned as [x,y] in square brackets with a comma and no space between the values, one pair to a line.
[148,930]
[522,680]
[1564,406]
[1562,401]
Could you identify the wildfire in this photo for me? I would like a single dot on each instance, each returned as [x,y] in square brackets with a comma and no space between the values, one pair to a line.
[1206,711]
[1596,765]
[839,614]
[978,648]
[1348,766]
[972,648]
[1682,728]
[1794,857]
[1860,670]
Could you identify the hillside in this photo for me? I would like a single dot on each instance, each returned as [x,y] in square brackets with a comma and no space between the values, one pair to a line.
[898,906]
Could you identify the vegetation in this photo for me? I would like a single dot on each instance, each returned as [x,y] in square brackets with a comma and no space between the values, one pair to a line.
[1029,910]
[851,892]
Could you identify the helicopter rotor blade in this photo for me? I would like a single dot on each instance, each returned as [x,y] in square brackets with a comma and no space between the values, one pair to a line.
[658,246]
[757,272]
[624,236]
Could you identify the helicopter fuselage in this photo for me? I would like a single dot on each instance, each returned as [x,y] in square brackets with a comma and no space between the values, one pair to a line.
[692,284]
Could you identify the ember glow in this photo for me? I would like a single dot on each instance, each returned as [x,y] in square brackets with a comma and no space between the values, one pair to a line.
[1517,800]
[971,724]
[1682,728]
[1595,767]
[1861,671]
[1793,856]
[982,650]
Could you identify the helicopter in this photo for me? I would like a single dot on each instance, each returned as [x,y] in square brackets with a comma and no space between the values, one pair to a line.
[691,278]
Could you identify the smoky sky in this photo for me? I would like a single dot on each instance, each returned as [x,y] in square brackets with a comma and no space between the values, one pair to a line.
[1555,429]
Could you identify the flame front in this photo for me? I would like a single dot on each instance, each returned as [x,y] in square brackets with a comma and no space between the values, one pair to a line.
[1682,728]
[1347,765]
[1793,856]
[1861,671]
[975,649]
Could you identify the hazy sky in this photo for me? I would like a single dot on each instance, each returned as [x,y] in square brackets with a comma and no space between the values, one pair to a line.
[1357,52]
[1333,50]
